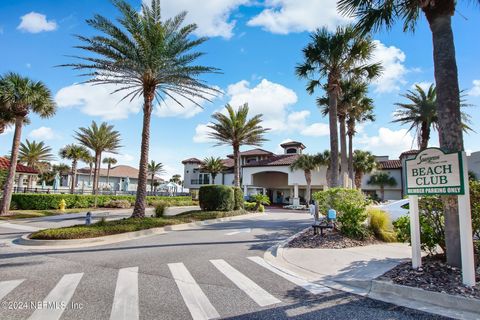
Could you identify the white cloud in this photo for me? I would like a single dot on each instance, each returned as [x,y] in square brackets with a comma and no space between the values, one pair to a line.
[34,22]
[387,142]
[202,134]
[122,159]
[425,85]
[43,133]
[394,70]
[286,16]
[316,130]
[213,17]
[9,129]
[170,108]
[475,91]
[97,100]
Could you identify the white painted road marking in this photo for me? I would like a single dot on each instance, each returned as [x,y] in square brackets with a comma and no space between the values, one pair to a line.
[312,287]
[246,230]
[7,286]
[125,302]
[57,300]
[254,291]
[197,302]
[18,227]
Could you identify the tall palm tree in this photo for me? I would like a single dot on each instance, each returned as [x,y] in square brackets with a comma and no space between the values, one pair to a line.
[363,162]
[74,153]
[214,166]
[145,56]
[99,139]
[154,168]
[382,179]
[372,15]
[323,159]
[421,113]
[7,118]
[90,161]
[236,130]
[336,56]
[21,96]
[307,163]
[34,154]
[109,162]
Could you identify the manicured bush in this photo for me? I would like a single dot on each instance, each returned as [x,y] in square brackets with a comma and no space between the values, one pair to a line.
[216,198]
[238,198]
[37,201]
[351,210]
[121,204]
[380,225]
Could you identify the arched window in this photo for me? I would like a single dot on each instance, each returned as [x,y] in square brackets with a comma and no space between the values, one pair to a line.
[291,150]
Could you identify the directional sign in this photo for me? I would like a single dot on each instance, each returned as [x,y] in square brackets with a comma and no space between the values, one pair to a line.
[433,172]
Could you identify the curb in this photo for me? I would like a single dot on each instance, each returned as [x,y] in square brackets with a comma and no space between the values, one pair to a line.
[457,307]
[28,243]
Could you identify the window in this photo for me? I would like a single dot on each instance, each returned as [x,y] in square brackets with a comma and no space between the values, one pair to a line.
[291,150]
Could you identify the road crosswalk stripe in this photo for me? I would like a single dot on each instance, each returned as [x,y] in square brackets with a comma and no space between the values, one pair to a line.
[57,300]
[253,290]
[125,301]
[197,302]
[311,287]
[7,286]
[18,227]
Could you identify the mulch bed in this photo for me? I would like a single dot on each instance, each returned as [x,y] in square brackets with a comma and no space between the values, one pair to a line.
[434,275]
[330,240]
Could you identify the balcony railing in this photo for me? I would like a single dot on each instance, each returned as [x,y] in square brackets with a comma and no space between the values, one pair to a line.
[200,181]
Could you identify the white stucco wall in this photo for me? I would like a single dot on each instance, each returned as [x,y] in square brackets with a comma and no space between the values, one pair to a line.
[295,177]
[391,193]
[474,163]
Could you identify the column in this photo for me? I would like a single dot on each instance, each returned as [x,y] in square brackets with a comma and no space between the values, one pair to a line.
[20,181]
[296,200]
[245,189]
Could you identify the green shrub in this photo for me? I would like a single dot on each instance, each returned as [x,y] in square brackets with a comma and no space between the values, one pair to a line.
[216,198]
[160,207]
[380,225]
[252,207]
[122,204]
[238,198]
[3,177]
[351,210]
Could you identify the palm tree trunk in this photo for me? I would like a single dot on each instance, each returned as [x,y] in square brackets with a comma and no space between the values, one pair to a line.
[332,116]
[448,109]
[308,178]
[382,192]
[343,148]
[139,209]
[90,173]
[358,179]
[350,157]
[96,172]
[74,176]
[424,135]
[108,173]
[236,165]
[151,182]
[214,175]
[8,188]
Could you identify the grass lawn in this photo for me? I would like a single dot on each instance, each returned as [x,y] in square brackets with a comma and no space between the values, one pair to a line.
[24,214]
[105,228]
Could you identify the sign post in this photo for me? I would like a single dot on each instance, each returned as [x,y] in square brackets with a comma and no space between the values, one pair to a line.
[433,172]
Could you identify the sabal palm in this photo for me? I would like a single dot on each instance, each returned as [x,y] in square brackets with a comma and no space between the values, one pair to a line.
[20,96]
[99,139]
[373,15]
[421,113]
[307,163]
[236,129]
[90,161]
[363,162]
[214,166]
[147,57]
[74,153]
[34,154]
[109,162]
[176,178]
[154,168]
[382,179]
[333,57]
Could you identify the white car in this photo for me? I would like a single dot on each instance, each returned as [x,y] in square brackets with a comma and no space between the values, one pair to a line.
[395,209]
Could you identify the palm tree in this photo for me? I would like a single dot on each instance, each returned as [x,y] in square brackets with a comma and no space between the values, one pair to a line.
[34,154]
[7,118]
[149,58]
[176,178]
[382,179]
[336,56]
[421,114]
[307,163]
[90,160]
[74,153]
[21,96]
[109,162]
[234,129]
[323,159]
[213,166]
[154,169]
[99,139]
[363,162]
[372,15]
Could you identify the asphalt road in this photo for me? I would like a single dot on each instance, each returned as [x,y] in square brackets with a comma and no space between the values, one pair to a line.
[200,273]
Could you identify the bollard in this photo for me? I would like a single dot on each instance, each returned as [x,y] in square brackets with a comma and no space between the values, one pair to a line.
[88,218]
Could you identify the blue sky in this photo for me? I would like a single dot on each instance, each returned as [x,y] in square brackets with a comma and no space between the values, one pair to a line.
[256,44]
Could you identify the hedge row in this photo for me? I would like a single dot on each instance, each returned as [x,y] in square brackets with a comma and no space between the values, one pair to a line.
[26,201]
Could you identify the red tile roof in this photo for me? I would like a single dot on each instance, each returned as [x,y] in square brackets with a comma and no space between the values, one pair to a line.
[5,164]
[228,163]
[120,171]
[275,160]
[253,152]
[409,152]
[192,160]
[293,144]
[390,164]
